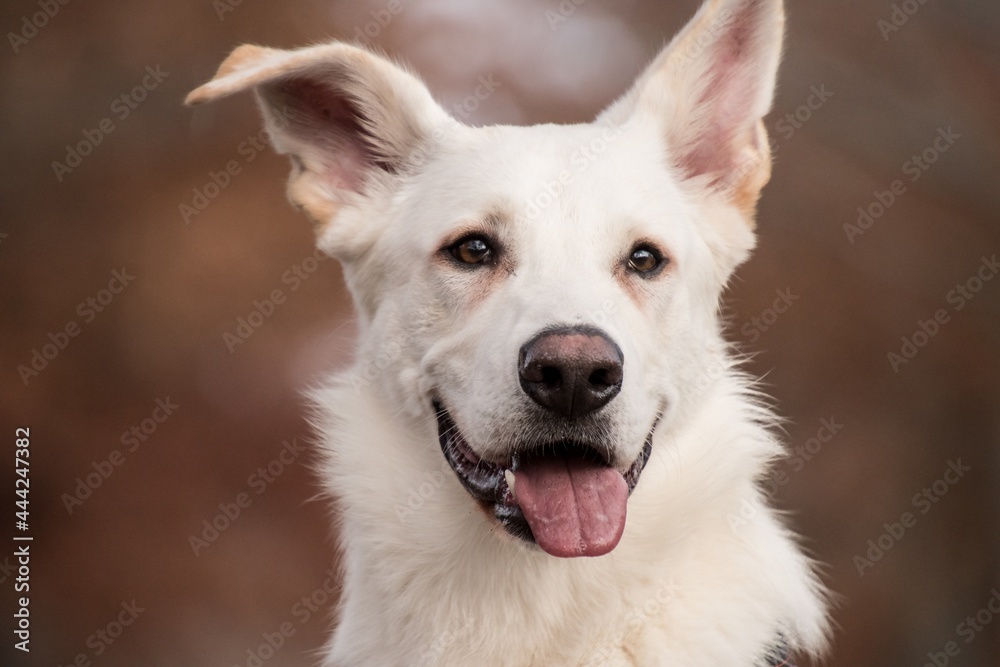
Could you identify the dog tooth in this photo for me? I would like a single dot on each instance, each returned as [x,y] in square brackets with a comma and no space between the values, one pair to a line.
[509,476]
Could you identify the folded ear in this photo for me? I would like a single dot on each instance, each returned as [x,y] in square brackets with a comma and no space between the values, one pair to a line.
[709,90]
[350,120]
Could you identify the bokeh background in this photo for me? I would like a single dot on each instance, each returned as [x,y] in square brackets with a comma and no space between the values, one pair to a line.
[859,97]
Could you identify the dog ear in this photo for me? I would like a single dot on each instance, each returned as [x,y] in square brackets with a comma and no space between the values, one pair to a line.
[351,122]
[709,90]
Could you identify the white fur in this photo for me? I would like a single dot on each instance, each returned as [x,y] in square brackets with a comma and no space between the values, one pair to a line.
[705,573]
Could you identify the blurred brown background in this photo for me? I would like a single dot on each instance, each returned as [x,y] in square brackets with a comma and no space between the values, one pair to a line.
[856,103]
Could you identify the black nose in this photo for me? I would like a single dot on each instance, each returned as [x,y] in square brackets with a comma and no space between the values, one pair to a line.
[572,371]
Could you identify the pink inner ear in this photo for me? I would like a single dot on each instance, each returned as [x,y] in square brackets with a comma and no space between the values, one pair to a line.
[725,110]
[728,124]
[328,128]
[346,168]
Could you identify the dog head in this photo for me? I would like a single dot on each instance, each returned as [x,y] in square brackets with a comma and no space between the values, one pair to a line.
[556,287]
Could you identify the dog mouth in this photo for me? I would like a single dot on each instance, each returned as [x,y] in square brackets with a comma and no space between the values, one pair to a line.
[564,496]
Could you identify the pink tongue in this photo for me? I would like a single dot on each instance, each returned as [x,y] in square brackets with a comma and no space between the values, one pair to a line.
[574,507]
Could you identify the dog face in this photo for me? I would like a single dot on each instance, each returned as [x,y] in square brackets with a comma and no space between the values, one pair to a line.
[558,285]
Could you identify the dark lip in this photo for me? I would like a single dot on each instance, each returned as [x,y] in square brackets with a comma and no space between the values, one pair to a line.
[485,480]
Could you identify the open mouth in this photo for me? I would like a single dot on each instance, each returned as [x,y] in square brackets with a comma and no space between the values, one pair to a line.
[565,496]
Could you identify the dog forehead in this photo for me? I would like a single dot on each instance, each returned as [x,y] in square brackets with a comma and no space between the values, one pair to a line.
[586,175]
[527,157]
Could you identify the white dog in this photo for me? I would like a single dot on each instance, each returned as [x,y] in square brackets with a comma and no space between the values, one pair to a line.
[541,354]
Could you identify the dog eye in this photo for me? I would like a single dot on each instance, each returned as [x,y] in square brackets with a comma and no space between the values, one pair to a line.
[645,259]
[472,250]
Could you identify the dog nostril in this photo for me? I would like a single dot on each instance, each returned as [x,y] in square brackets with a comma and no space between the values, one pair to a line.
[599,378]
[602,378]
[551,377]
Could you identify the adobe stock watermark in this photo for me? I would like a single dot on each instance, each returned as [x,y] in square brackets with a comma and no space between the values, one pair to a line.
[33,24]
[957,297]
[585,155]
[431,656]
[970,628]
[915,168]
[562,12]
[371,368]
[799,456]
[103,638]
[121,108]
[316,602]
[923,501]
[635,619]
[721,20]
[7,570]
[223,7]
[757,325]
[795,120]
[246,152]
[258,482]
[130,440]
[263,309]
[752,328]
[273,642]
[786,127]
[422,492]
[381,18]
[900,16]
[302,611]
[57,341]
[485,87]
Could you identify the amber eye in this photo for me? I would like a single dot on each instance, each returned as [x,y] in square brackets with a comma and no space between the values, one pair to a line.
[645,259]
[472,250]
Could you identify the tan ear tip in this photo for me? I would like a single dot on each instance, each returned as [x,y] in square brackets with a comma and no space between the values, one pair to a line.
[245,55]
[195,97]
